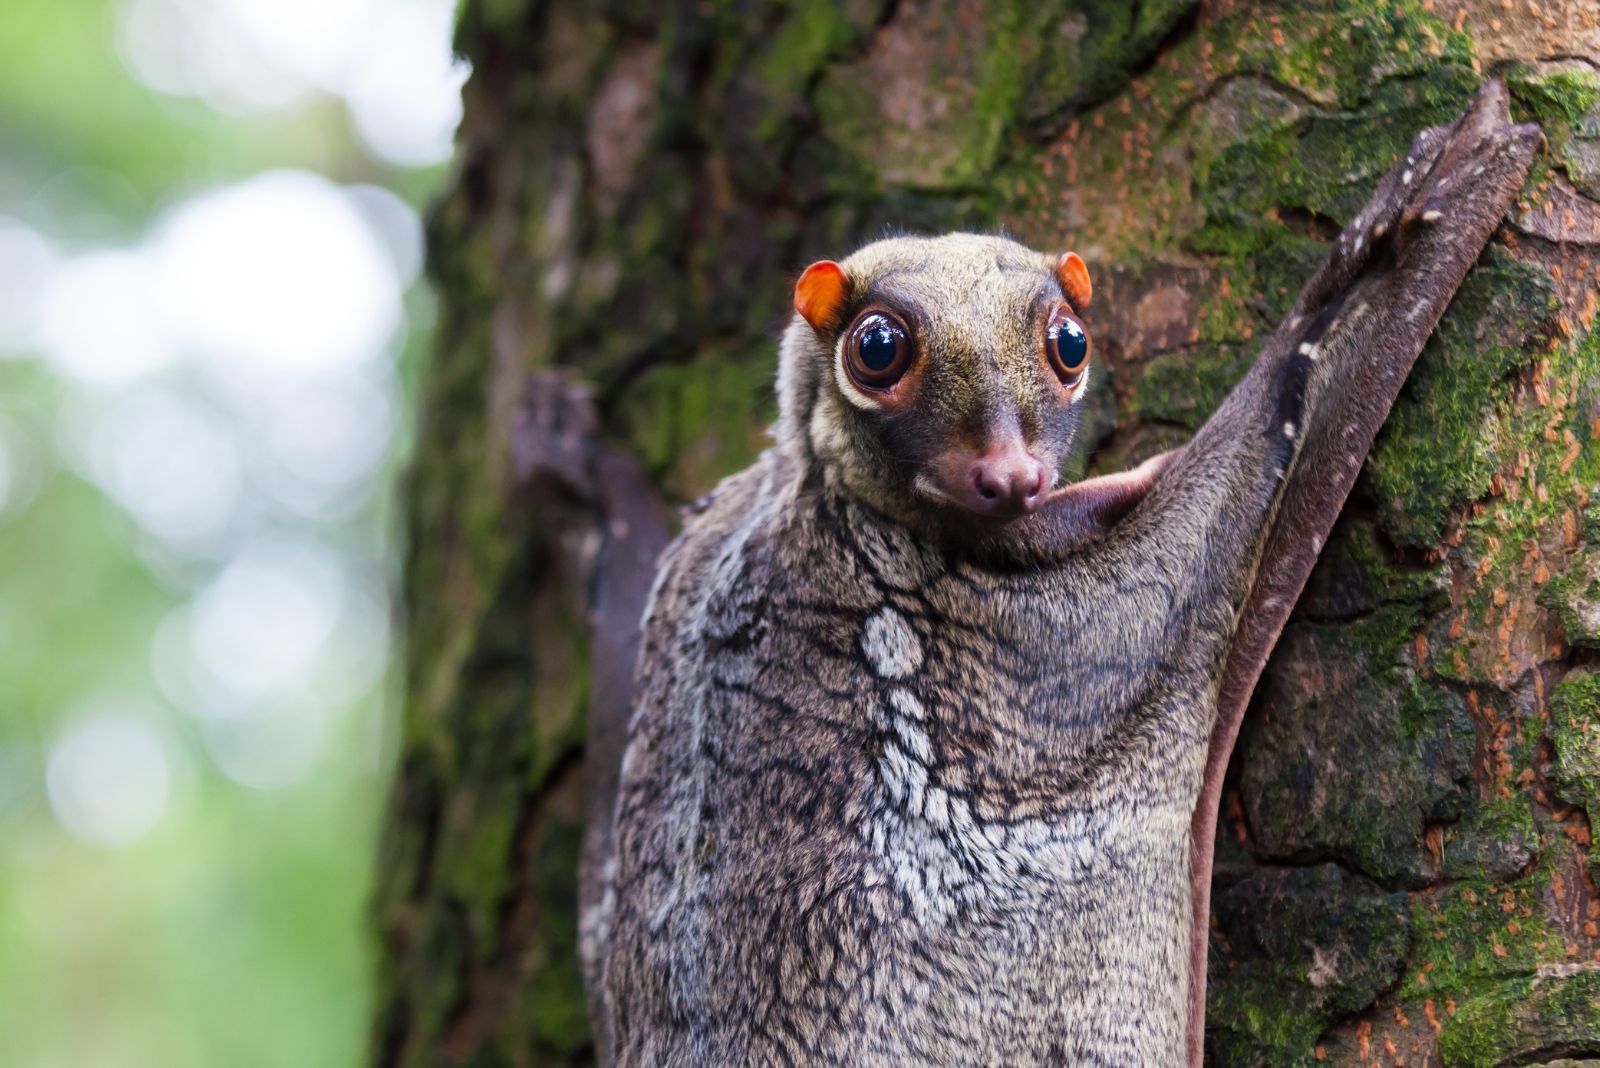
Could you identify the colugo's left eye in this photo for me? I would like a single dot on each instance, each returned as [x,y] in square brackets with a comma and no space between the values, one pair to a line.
[1067,345]
[877,352]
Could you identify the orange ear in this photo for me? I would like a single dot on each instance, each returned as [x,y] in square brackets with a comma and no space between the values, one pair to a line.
[1074,279]
[819,296]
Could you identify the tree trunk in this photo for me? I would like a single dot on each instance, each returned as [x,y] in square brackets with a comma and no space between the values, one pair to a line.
[1404,869]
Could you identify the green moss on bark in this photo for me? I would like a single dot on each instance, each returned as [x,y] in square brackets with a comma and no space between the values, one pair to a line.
[1185,387]
[1525,1022]
[1310,945]
[1575,596]
[1470,933]
[1437,450]
[690,423]
[1575,740]
[1494,842]
[1564,98]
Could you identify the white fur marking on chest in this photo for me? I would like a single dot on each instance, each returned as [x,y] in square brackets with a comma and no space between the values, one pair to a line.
[946,859]
[892,647]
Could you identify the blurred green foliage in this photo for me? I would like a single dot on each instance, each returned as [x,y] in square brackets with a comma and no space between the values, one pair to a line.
[233,933]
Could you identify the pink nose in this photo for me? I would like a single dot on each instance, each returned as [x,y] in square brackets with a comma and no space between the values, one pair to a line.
[1007,480]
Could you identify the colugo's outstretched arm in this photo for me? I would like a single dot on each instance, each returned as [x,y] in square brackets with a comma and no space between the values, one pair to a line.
[1460,177]
[1324,385]
[1083,512]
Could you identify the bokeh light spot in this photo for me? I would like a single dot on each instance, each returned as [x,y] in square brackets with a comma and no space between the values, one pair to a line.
[108,779]
[278,275]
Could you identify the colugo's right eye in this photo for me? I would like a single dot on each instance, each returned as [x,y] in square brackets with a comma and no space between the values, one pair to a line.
[877,352]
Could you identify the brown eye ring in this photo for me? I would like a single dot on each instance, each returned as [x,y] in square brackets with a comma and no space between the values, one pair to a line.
[877,350]
[1067,344]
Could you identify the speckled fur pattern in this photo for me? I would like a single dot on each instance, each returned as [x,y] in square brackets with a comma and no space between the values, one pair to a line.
[899,790]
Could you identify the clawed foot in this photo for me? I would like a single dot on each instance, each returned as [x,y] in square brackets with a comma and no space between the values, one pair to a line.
[1447,169]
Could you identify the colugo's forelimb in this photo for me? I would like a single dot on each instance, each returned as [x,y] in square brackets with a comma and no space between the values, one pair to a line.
[1327,379]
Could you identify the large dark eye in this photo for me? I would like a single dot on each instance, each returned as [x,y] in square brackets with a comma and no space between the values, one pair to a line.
[877,352]
[1068,347]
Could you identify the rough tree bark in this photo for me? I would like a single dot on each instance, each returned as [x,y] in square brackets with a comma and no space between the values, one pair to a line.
[1404,870]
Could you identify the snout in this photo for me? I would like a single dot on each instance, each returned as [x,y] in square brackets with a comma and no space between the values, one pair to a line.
[1003,481]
